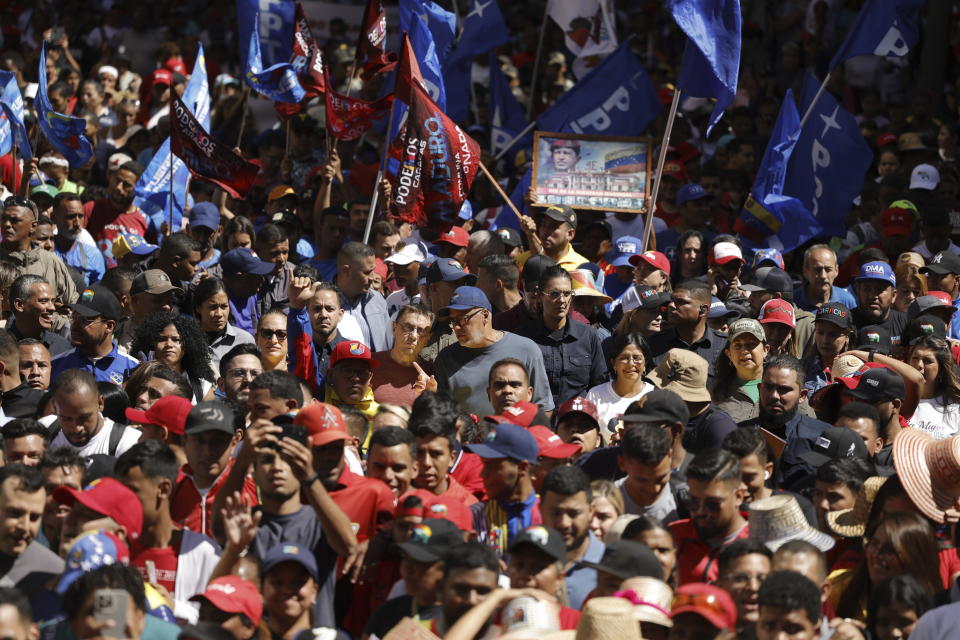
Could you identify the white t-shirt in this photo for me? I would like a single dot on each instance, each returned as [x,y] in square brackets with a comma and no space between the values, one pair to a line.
[932,417]
[399,299]
[611,405]
[100,443]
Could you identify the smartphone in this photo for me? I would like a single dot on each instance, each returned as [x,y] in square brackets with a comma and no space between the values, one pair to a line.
[56,34]
[295,432]
[111,604]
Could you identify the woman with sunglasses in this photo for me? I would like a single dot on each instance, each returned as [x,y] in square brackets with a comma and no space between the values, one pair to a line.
[272,340]
[212,310]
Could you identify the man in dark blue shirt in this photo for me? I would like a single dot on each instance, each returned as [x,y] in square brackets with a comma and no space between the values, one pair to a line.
[687,312]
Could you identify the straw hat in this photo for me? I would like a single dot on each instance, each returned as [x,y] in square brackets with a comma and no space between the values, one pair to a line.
[651,599]
[778,519]
[616,529]
[929,470]
[852,523]
[608,619]
[844,366]
[584,284]
[527,618]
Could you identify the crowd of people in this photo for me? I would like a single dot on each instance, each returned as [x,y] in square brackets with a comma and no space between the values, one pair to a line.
[273,421]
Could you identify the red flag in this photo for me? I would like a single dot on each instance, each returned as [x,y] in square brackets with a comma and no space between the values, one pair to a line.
[438,162]
[371,46]
[206,157]
[307,58]
[408,71]
[348,118]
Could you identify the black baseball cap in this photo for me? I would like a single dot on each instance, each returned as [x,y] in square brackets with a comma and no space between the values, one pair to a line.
[211,415]
[533,268]
[874,337]
[627,559]
[650,298]
[835,443]
[544,538]
[510,237]
[430,539]
[97,301]
[659,405]
[942,262]
[835,313]
[771,279]
[922,326]
[562,213]
[879,384]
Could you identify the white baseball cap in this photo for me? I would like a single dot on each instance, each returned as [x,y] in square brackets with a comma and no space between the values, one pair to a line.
[924,176]
[409,253]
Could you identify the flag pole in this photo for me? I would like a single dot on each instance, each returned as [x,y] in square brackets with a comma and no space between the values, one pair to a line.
[286,143]
[243,113]
[813,103]
[517,137]
[536,61]
[376,187]
[503,194]
[661,159]
[170,195]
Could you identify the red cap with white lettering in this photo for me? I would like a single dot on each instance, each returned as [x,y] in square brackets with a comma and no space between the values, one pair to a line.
[231,594]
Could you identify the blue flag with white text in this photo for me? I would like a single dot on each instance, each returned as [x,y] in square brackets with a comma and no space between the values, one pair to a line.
[279,82]
[441,23]
[882,28]
[770,218]
[482,30]
[64,132]
[615,99]
[829,162]
[153,188]
[507,117]
[12,130]
[274,22]
[711,58]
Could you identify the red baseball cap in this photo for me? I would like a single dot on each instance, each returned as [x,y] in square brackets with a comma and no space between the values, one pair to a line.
[943,296]
[523,413]
[886,138]
[710,602]
[110,498]
[578,405]
[425,497]
[169,412]
[778,310]
[453,510]
[724,252]
[176,65]
[675,170]
[457,236]
[161,76]
[896,222]
[323,422]
[352,350]
[654,258]
[234,595]
[551,446]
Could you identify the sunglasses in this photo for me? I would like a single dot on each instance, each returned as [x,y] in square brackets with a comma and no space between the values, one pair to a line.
[270,334]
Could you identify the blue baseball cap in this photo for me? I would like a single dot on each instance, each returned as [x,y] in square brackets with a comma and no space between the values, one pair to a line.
[291,553]
[244,260]
[719,310]
[623,248]
[877,271]
[768,255]
[205,214]
[130,243]
[507,441]
[448,270]
[91,550]
[466,298]
[691,191]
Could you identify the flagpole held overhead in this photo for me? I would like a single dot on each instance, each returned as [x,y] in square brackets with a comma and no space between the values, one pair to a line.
[813,103]
[536,60]
[661,159]
[374,201]
[496,185]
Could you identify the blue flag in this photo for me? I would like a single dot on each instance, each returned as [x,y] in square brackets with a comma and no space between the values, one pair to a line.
[12,130]
[279,82]
[274,21]
[482,30]
[507,118]
[830,161]
[770,218]
[425,50]
[883,28]
[507,218]
[64,132]
[441,23]
[153,188]
[711,57]
[615,99]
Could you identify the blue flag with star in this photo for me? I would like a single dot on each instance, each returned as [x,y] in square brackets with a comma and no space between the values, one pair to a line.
[711,58]
[883,28]
[12,130]
[507,118]
[770,218]
[279,82]
[64,132]
[482,30]
[441,23]
[152,191]
[830,160]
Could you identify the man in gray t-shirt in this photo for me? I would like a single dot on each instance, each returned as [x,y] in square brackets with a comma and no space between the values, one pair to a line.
[463,369]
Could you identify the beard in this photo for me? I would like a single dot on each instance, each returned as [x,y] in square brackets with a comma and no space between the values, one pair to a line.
[777,421]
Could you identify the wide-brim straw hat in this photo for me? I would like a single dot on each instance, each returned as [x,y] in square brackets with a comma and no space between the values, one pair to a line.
[852,523]
[929,470]
[651,599]
[779,519]
[844,366]
[585,285]
[608,619]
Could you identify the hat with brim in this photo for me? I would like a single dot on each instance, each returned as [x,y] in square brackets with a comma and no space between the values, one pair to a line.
[929,471]
[651,600]
[779,519]
[608,619]
[852,523]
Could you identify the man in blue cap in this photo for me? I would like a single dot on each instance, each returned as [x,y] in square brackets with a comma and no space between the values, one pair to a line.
[443,276]
[205,228]
[622,277]
[697,212]
[462,369]
[509,452]
[243,274]
[874,288]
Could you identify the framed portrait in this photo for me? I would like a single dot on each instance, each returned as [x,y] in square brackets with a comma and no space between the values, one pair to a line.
[605,173]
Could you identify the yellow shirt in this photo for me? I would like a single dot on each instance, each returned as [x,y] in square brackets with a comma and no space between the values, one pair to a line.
[569,260]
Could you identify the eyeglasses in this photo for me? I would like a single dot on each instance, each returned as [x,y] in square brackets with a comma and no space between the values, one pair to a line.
[556,295]
[270,334]
[243,373]
[18,201]
[410,329]
[354,372]
[629,359]
[464,319]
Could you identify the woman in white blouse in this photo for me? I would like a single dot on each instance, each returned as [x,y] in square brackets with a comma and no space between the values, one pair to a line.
[629,360]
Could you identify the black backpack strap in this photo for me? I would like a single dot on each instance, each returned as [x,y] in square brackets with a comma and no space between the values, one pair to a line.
[116,433]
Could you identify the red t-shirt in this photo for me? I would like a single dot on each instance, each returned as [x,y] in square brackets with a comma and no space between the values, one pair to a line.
[696,560]
[164,561]
[467,470]
[105,223]
[368,503]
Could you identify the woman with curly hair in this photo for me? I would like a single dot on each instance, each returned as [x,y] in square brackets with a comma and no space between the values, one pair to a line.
[938,411]
[179,343]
